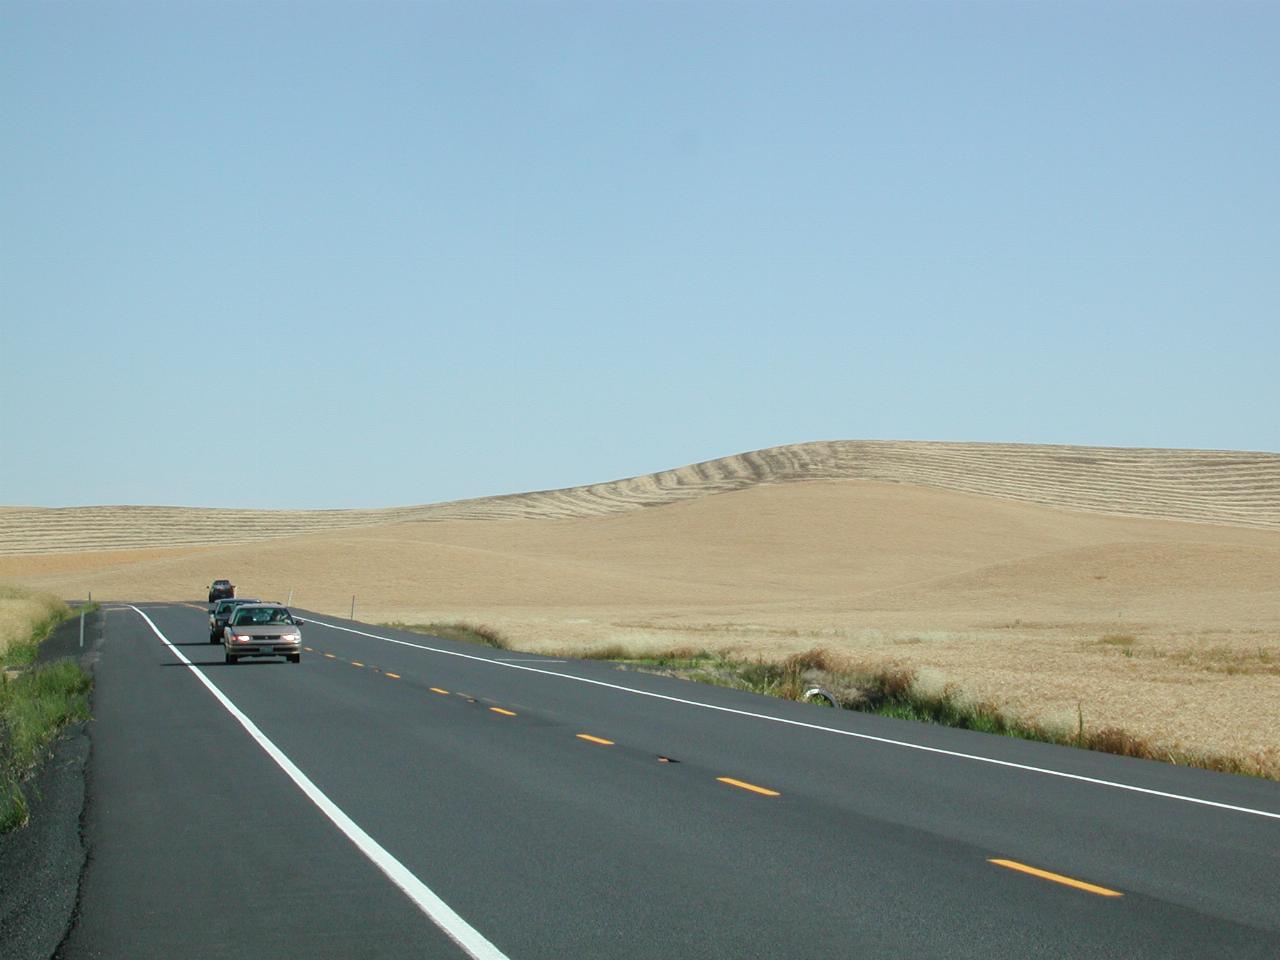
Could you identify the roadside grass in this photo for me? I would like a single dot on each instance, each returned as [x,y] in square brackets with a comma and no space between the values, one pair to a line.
[26,617]
[36,700]
[889,691]
[463,631]
[903,694]
[33,709]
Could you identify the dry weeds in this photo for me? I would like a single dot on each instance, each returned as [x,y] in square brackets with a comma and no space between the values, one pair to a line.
[25,613]
[1118,640]
[466,632]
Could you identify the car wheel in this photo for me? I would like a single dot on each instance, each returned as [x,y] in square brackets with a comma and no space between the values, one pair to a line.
[295,658]
[232,658]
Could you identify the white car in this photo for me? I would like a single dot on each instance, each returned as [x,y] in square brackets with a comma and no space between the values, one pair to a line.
[262,630]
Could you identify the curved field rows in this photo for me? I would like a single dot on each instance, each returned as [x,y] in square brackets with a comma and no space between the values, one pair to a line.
[1225,487]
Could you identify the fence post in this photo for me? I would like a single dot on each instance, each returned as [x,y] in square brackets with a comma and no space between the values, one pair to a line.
[353,607]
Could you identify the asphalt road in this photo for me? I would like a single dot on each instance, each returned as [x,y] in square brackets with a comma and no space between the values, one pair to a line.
[396,795]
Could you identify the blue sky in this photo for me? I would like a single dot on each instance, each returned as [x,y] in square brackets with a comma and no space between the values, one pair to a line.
[441,250]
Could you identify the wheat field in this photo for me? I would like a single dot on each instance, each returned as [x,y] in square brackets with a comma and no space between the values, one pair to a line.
[1138,588]
[1197,485]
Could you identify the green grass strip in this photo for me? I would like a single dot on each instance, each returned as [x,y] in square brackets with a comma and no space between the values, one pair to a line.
[34,707]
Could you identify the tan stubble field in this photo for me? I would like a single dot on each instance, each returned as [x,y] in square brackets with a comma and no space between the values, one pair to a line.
[1167,628]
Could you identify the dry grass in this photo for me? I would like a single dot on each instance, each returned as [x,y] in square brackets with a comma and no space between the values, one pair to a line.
[26,613]
[1118,640]
[1232,661]
[466,632]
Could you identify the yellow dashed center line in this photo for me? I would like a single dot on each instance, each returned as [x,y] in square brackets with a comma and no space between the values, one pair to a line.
[505,713]
[356,663]
[590,739]
[438,690]
[1055,877]
[393,676]
[331,656]
[308,649]
[742,784]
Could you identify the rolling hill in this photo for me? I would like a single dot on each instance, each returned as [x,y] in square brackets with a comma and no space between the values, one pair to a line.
[1135,588]
[1195,485]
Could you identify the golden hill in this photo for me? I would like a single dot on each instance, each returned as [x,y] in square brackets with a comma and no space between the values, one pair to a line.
[1208,486]
[1139,587]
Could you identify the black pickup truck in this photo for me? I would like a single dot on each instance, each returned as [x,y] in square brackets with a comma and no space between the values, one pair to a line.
[221,590]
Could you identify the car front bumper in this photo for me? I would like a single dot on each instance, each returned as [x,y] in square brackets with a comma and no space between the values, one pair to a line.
[265,648]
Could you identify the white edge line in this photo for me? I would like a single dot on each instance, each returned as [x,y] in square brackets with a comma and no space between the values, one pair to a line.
[439,912]
[814,726]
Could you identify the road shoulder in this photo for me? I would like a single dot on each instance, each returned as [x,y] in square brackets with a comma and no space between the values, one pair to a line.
[41,864]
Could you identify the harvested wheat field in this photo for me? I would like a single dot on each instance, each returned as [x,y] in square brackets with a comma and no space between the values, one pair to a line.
[1139,589]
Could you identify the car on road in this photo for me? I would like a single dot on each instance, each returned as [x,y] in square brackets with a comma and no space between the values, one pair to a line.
[262,630]
[221,613]
[221,590]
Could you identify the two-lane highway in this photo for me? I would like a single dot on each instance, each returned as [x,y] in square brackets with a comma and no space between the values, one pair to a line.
[398,795]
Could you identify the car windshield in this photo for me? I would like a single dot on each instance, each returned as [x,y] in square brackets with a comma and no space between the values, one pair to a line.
[259,615]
